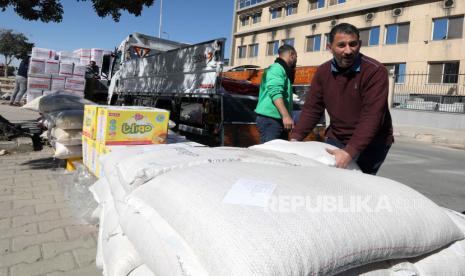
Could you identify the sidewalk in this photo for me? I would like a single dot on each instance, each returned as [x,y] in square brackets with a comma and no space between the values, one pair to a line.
[40,233]
[16,114]
[445,137]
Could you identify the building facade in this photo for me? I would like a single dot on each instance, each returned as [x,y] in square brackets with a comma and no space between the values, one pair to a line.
[406,35]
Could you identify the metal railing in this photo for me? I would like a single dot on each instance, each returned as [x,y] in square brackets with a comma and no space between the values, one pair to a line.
[422,91]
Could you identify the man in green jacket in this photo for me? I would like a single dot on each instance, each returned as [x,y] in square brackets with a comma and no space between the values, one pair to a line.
[274,108]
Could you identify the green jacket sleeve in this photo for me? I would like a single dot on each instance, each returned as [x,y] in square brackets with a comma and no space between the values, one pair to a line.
[275,82]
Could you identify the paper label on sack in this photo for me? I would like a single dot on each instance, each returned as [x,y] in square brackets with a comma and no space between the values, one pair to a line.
[250,192]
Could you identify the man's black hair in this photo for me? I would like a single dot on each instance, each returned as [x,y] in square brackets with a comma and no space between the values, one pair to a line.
[345,28]
[286,48]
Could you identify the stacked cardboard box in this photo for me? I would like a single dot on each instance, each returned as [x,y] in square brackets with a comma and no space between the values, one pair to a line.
[50,71]
[106,127]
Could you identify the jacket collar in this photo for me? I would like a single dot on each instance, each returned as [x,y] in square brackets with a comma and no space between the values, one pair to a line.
[354,68]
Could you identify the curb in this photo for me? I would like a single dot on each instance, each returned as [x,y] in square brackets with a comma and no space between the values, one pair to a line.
[445,137]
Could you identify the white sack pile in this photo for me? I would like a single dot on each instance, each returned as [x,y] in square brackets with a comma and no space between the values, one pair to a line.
[63,115]
[181,209]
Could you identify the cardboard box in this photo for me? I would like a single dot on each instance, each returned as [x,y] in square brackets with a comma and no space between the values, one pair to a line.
[75,84]
[43,53]
[89,125]
[132,125]
[90,154]
[82,52]
[79,71]
[65,55]
[36,66]
[84,61]
[76,93]
[58,83]
[48,92]
[38,82]
[66,69]
[93,156]
[33,94]
[52,67]
[97,56]
[85,151]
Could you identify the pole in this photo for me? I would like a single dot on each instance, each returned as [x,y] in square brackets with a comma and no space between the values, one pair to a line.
[392,80]
[161,19]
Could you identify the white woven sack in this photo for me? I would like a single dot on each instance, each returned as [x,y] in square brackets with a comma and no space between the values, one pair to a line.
[313,150]
[457,218]
[224,213]
[117,191]
[159,245]
[66,137]
[119,255]
[67,119]
[115,252]
[108,164]
[447,261]
[138,169]
[66,152]
[63,135]
[385,268]
[33,105]
[101,194]
[142,270]
[118,154]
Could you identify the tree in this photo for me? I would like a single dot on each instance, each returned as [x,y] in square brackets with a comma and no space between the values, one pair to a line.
[52,10]
[13,45]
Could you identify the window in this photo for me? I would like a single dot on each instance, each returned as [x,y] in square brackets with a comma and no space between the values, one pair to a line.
[289,41]
[241,51]
[447,28]
[244,21]
[272,47]
[253,50]
[397,33]
[399,71]
[335,2]
[446,72]
[291,9]
[245,3]
[326,42]
[370,37]
[256,18]
[276,13]
[313,43]
[316,4]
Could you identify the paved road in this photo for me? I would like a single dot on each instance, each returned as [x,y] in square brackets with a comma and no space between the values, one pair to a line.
[435,171]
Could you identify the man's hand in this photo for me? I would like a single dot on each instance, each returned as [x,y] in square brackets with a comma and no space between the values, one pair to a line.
[342,157]
[288,122]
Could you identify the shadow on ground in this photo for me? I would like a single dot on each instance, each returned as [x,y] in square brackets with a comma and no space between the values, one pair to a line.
[44,163]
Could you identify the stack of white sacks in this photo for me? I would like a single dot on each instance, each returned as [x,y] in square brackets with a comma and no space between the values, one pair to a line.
[63,117]
[275,209]
[65,133]
[50,71]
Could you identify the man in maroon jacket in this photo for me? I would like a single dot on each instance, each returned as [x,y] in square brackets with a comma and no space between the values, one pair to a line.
[353,88]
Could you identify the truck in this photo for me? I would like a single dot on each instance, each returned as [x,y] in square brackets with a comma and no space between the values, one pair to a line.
[208,105]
